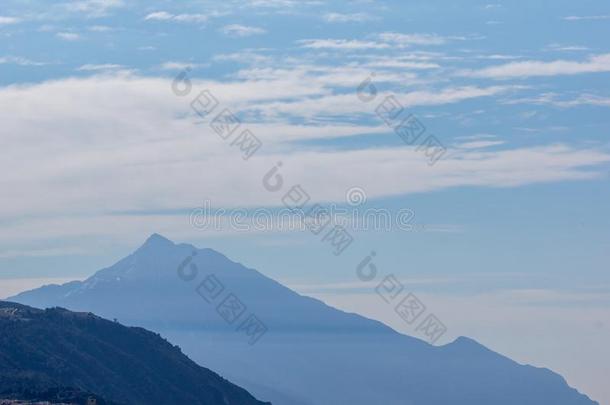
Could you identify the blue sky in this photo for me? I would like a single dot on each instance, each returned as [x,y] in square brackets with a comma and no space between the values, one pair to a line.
[99,152]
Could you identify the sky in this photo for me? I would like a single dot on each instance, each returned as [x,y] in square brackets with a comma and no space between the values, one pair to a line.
[105,142]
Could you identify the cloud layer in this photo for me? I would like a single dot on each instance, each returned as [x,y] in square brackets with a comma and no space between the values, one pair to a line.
[118,143]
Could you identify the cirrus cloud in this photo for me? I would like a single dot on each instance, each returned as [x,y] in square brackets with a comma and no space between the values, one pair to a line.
[181,18]
[594,64]
[4,20]
[237,30]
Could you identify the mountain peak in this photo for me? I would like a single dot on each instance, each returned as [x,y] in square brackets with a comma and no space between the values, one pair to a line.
[157,240]
[465,341]
[467,346]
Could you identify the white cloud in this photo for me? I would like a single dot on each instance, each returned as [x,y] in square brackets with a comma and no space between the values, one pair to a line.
[182,18]
[190,18]
[17,60]
[412,39]
[237,30]
[585,18]
[278,3]
[498,57]
[325,76]
[567,48]
[68,36]
[344,18]
[479,144]
[246,57]
[99,110]
[476,137]
[596,63]
[94,138]
[4,20]
[173,65]
[101,28]
[159,15]
[385,40]
[99,67]
[344,44]
[93,8]
[554,100]
[348,104]
[401,64]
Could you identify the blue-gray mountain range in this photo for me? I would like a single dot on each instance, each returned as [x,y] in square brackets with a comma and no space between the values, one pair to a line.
[290,349]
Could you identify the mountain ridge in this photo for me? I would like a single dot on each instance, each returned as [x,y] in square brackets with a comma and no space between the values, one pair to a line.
[49,349]
[306,338]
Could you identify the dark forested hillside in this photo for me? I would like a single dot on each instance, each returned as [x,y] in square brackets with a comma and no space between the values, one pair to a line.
[44,351]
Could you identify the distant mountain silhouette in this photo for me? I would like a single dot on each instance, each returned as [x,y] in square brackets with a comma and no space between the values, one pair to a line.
[311,354]
[45,352]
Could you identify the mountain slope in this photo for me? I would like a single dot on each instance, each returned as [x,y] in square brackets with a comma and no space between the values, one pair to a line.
[311,354]
[45,349]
